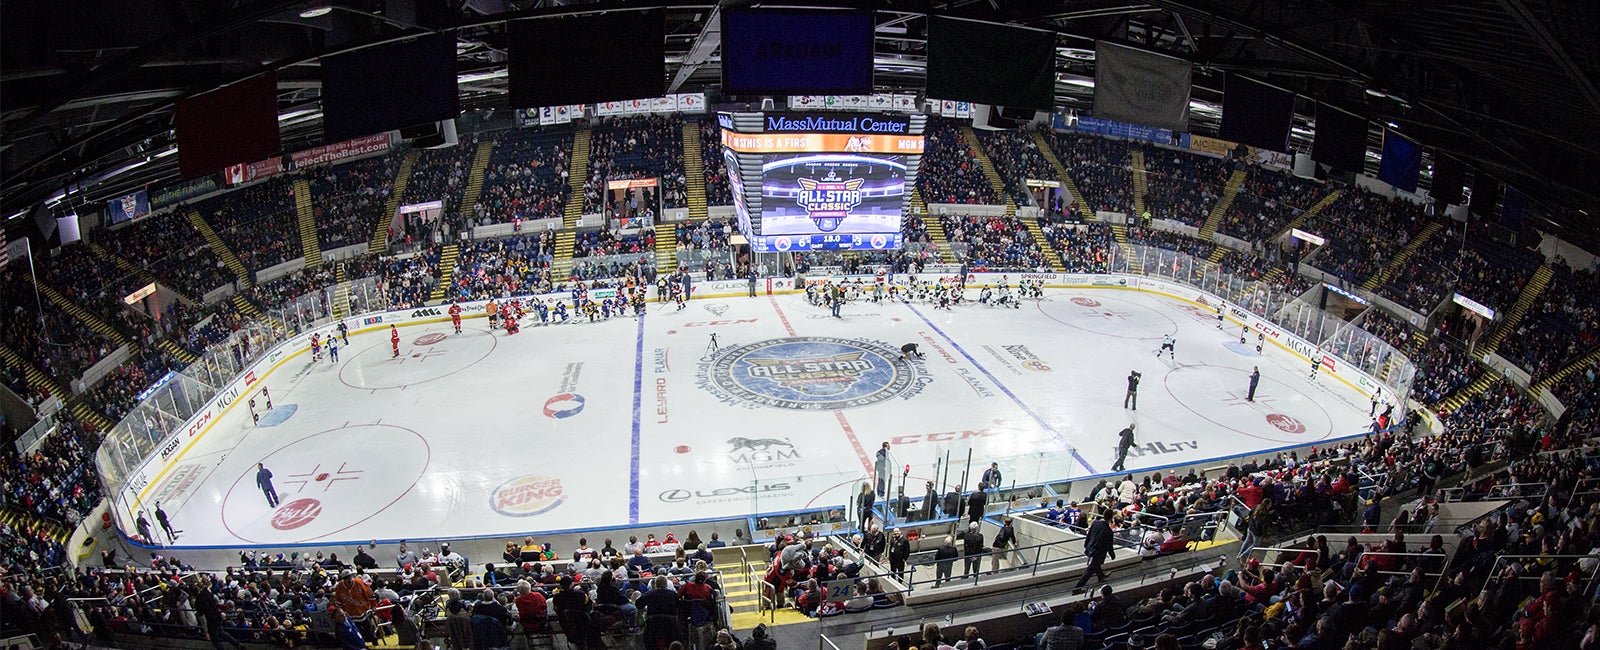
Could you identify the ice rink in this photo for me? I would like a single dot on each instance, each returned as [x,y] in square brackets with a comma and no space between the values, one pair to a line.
[638,421]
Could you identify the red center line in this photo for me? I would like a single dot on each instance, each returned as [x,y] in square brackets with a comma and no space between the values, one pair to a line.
[855,442]
[781,317]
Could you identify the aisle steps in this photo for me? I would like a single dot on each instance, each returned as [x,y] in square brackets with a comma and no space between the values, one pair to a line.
[1065,178]
[577,175]
[984,163]
[1229,192]
[1525,301]
[220,248]
[447,272]
[694,173]
[1397,262]
[397,192]
[480,164]
[308,223]
[1044,244]
[1141,182]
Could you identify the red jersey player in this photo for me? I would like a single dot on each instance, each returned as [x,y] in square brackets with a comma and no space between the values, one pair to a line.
[455,316]
[394,341]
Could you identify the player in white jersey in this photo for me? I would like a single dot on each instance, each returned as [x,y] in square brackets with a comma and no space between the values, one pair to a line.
[1167,345]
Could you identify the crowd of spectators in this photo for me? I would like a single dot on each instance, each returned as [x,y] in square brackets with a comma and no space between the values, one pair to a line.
[601,242]
[950,173]
[708,235]
[258,223]
[526,179]
[1493,273]
[1388,328]
[94,284]
[57,480]
[348,199]
[1017,158]
[1442,369]
[993,243]
[1099,168]
[1083,248]
[1268,200]
[58,343]
[441,175]
[639,146]
[719,188]
[405,282]
[117,393]
[169,247]
[1182,186]
[1562,324]
[489,268]
[1169,240]
[1364,230]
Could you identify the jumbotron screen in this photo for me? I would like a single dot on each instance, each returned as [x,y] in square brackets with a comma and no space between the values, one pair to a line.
[821,182]
[833,195]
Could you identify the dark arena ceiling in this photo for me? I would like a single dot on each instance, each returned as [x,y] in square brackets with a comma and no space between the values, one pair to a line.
[1511,87]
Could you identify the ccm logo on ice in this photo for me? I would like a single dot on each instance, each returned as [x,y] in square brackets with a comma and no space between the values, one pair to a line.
[563,406]
[527,496]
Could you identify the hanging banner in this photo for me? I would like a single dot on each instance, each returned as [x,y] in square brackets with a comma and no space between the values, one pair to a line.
[128,208]
[963,109]
[947,108]
[905,102]
[664,104]
[187,190]
[329,154]
[692,102]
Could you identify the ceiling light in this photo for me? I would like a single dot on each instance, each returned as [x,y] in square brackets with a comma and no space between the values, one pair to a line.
[1392,125]
[1376,93]
[316,10]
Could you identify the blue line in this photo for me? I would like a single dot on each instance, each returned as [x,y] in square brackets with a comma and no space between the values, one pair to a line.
[638,404]
[1018,401]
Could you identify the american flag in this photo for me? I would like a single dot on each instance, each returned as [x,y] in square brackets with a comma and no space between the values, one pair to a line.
[16,248]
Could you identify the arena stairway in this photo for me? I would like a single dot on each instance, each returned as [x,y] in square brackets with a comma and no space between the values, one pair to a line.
[989,171]
[1120,232]
[1141,181]
[1066,179]
[244,305]
[941,241]
[561,266]
[744,596]
[341,292]
[308,223]
[1395,263]
[1568,370]
[220,248]
[1525,301]
[447,272]
[402,177]
[694,174]
[144,275]
[666,248]
[93,321]
[1044,244]
[177,351]
[38,380]
[15,518]
[480,164]
[1229,191]
[577,176]
[1276,274]
[1455,400]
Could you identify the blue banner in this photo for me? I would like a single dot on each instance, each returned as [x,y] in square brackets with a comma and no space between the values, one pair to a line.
[184,191]
[1402,159]
[1123,130]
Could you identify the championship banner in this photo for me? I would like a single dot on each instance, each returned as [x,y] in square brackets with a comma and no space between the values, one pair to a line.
[691,102]
[128,208]
[606,109]
[963,109]
[821,143]
[663,104]
[947,108]
[905,102]
[329,154]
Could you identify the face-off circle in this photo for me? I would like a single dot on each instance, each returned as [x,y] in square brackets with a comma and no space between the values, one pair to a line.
[329,482]
[431,338]
[811,373]
[1085,301]
[1219,394]
[1110,316]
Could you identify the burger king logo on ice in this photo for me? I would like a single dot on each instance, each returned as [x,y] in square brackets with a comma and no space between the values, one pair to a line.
[527,496]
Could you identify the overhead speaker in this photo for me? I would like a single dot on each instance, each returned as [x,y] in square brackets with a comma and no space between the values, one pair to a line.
[434,135]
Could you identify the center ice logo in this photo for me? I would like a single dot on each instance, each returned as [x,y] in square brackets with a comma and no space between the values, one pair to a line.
[810,374]
[830,199]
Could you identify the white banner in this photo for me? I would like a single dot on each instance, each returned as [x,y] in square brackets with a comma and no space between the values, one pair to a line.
[1140,87]
[905,102]
[664,104]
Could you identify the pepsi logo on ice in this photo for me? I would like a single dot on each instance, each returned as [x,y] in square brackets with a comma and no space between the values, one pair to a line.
[296,513]
[563,406]
[527,496]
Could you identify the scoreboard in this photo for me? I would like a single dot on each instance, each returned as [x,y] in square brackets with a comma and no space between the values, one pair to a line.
[821,181]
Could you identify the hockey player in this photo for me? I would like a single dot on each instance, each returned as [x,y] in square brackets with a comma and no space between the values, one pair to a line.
[679,297]
[944,300]
[333,350]
[544,311]
[1316,364]
[344,333]
[561,311]
[455,316]
[394,341]
[316,347]
[605,309]
[1167,345]
[492,310]
[512,324]
[877,292]
[985,295]
[1219,316]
